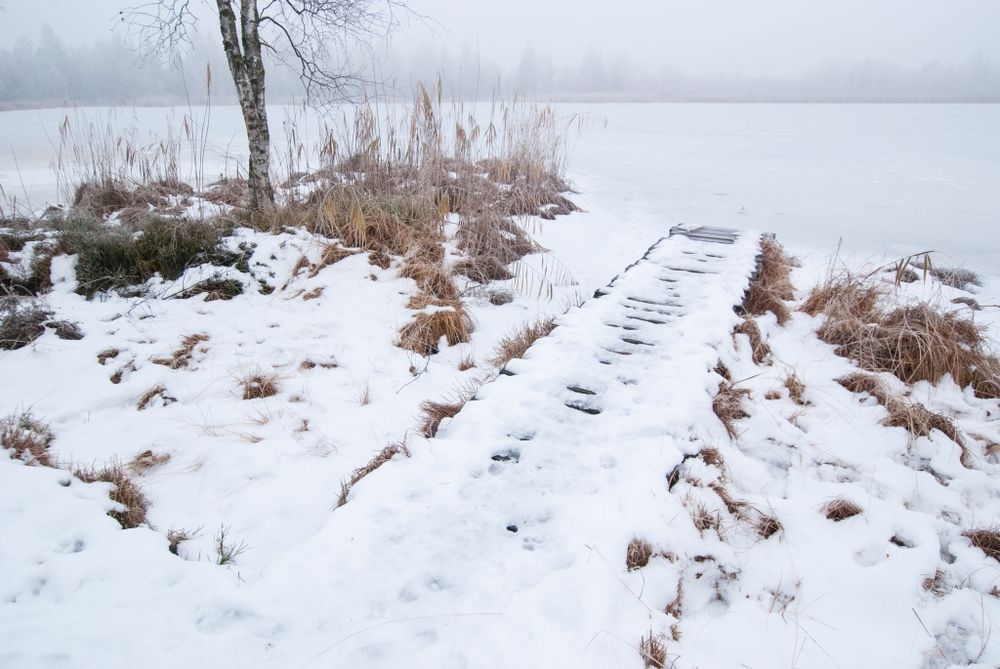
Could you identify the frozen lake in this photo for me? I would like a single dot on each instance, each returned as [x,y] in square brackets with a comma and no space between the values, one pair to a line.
[888,179]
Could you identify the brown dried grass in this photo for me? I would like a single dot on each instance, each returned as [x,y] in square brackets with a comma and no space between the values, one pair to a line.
[637,554]
[431,278]
[985,539]
[380,459]
[841,509]
[758,347]
[124,492]
[423,334]
[495,236]
[728,406]
[483,269]
[28,439]
[258,385]
[517,343]
[796,389]
[772,286]
[653,651]
[917,419]
[917,342]
[146,399]
[182,356]
[146,460]
[332,254]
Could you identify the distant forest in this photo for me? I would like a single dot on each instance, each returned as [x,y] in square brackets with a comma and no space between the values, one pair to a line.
[46,72]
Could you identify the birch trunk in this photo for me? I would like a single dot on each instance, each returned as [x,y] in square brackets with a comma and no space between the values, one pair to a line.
[241,42]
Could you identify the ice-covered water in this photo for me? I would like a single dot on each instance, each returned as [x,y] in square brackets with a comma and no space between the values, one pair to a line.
[888,179]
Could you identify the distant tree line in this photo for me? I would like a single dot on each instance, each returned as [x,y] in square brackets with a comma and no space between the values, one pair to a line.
[45,71]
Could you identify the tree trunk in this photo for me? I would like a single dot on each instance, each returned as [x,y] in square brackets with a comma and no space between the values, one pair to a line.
[247,68]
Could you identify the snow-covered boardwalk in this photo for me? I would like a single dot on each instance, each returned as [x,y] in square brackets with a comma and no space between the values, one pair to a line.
[501,543]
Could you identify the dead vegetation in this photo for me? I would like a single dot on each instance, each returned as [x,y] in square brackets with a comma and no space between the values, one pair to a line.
[772,286]
[956,277]
[440,319]
[147,398]
[28,439]
[21,322]
[258,385]
[382,457]
[638,554]
[124,492]
[914,417]
[985,539]
[728,406]
[841,509]
[431,278]
[796,389]
[653,651]
[433,413]
[147,460]
[758,347]
[183,354]
[332,254]
[517,343]
[916,342]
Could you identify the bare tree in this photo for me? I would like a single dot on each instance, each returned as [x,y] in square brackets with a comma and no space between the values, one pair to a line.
[313,37]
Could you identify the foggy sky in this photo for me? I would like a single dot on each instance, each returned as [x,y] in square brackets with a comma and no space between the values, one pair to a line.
[700,37]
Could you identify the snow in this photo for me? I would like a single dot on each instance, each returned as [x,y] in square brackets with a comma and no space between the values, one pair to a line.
[418,569]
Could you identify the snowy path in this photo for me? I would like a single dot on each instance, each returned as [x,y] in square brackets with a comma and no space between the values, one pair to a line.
[501,544]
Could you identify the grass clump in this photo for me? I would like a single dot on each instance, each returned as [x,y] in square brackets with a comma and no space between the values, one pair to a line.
[638,554]
[433,413]
[956,277]
[130,499]
[772,285]
[516,344]
[841,509]
[796,389]
[182,355]
[653,651]
[382,457]
[431,278]
[28,439]
[483,269]
[259,385]
[985,539]
[112,258]
[759,349]
[728,406]
[917,419]
[21,322]
[916,342]
[440,319]
[214,288]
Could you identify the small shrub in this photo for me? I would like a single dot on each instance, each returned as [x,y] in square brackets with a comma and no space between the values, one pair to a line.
[124,492]
[119,257]
[380,459]
[516,344]
[27,438]
[259,385]
[637,554]
[985,539]
[841,509]
[728,406]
